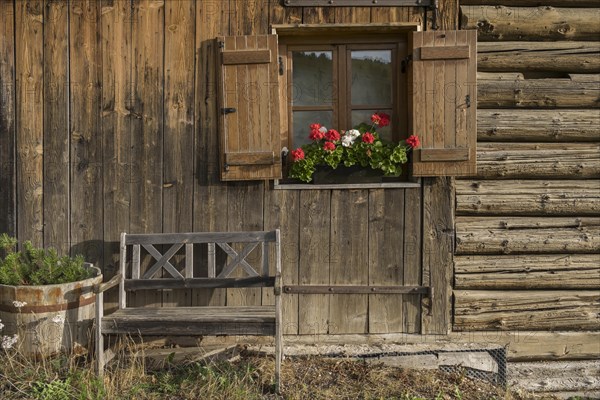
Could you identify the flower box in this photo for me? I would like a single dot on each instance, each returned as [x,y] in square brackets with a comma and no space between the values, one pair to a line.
[325,175]
[357,155]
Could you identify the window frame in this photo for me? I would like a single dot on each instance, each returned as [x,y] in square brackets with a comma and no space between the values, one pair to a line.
[341,43]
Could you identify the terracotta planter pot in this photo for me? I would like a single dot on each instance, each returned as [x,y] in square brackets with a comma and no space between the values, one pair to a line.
[55,318]
[354,174]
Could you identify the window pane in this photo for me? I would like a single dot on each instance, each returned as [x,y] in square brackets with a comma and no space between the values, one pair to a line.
[359,116]
[303,120]
[371,77]
[312,78]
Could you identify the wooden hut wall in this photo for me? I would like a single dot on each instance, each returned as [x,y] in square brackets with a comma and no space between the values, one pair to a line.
[108,123]
[527,228]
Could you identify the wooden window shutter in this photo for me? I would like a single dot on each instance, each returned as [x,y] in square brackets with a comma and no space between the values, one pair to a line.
[443,102]
[248,92]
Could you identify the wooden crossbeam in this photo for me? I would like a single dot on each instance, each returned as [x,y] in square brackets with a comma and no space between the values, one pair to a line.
[163,261]
[238,259]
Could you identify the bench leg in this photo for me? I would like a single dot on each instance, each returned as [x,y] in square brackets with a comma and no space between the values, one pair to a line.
[99,337]
[278,344]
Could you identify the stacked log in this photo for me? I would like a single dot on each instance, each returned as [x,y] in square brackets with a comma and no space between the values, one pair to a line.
[527,230]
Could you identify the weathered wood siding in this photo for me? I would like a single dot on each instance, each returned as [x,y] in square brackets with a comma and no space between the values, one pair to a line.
[108,123]
[527,253]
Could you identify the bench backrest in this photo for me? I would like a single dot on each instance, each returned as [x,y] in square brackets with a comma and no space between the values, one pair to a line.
[163,274]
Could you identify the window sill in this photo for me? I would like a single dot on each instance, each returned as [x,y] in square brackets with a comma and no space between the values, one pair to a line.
[309,186]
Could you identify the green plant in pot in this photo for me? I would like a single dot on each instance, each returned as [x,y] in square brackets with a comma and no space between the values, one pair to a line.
[360,146]
[46,300]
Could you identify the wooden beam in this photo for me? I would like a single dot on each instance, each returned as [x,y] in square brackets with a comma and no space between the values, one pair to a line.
[488,310]
[528,197]
[565,57]
[497,125]
[531,271]
[533,3]
[542,23]
[538,160]
[522,345]
[539,93]
[518,235]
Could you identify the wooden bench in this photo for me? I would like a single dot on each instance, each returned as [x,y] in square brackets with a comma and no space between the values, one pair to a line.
[198,320]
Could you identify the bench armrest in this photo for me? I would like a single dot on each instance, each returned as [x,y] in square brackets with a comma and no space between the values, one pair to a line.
[102,287]
[278,287]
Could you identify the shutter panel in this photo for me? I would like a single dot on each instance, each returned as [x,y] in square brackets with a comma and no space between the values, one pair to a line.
[443,102]
[248,94]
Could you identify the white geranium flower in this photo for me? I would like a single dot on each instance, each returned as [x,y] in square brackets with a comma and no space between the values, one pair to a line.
[323,129]
[9,341]
[58,319]
[1,325]
[353,132]
[19,304]
[348,140]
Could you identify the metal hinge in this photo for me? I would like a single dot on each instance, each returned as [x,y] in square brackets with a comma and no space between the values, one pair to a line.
[435,7]
[221,44]
[404,63]
[227,110]
[281,70]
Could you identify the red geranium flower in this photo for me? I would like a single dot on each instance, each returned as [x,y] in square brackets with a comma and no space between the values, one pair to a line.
[315,127]
[368,137]
[413,141]
[328,146]
[332,135]
[380,119]
[315,134]
[297,154]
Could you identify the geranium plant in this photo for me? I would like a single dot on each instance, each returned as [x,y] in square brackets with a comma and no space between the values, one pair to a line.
[360,145]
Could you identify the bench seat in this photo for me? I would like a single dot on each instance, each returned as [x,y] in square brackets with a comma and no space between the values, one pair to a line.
[221,320]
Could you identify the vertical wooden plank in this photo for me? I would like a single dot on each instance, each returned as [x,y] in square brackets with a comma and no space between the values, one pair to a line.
[282,210]
[8,221]
[439,68]
[245,213]
[86,133]
[352,14]
[318,15]
[449,97]
[147,127]
[248,17]
[30,117]
[386,258]
[349,260]
[412,258]
[189,260]
[117,107]
[397,14]
[211,260]
[116,118]
[279,14]
[209,193]
[471,83]
[429,83]
[448,14]
[135,262]
[179,128]
[313,260]
[56,127]
[438,247]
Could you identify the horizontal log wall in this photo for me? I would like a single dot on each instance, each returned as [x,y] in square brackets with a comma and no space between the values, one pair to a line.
[538,125]
[547,271]
[527,197]
[527,254]
[571,57]
[531,23]
[539,310]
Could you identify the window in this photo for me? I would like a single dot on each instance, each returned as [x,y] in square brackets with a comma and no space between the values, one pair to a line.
[342,84]
[272,87]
